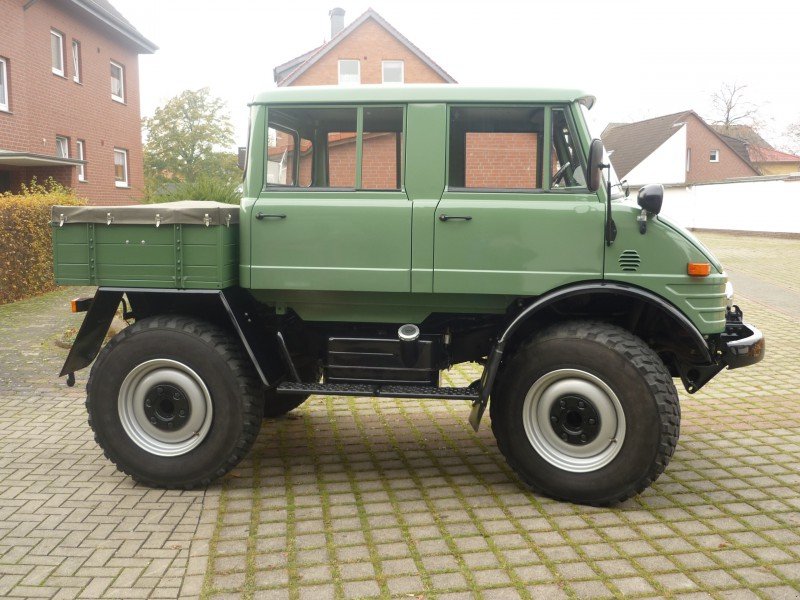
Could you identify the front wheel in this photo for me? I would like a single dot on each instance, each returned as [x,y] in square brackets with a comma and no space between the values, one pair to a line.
[586,412]
[174,402]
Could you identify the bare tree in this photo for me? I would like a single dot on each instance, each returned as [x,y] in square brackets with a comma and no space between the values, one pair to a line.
[793,135]
[732,109]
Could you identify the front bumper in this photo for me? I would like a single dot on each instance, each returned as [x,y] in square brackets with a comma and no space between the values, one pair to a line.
[741,344]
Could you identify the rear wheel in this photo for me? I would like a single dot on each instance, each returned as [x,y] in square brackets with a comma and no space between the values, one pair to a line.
[586,412]
[174,402]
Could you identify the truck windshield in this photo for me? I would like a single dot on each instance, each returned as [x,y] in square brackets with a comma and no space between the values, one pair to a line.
[617,188]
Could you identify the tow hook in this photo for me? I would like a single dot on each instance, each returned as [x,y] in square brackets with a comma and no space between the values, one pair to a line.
[70,379]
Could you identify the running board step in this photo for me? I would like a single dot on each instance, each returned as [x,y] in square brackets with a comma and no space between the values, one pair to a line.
[388,391]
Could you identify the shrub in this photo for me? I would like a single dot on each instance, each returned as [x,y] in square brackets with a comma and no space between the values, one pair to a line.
[26,243]
[217,190]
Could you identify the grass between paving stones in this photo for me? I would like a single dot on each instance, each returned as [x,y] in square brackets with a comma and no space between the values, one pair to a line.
[688,494]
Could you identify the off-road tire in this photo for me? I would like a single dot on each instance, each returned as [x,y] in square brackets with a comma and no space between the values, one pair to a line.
[217,358]
[277,405]
[642,384]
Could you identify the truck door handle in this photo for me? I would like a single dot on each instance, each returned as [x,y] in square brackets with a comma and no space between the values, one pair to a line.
[261,216]
[444,218]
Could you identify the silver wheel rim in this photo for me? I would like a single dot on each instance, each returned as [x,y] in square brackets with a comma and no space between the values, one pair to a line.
[551,388]
[138,426]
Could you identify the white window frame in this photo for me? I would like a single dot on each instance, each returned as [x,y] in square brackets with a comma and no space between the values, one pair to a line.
[349,60]
[80,147]
[4,100]
[121,68]
[688,159]
[713,156]
[121,183]
[76,61]
[402,64]
[62,139]
[60,36]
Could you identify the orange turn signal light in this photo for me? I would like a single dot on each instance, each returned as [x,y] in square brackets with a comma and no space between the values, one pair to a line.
[74,305]
[698,269]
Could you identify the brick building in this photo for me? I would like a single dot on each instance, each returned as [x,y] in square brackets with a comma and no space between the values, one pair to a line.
[677,148]
[368,51]
[69,98]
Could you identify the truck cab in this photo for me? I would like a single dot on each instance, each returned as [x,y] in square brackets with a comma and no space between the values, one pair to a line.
[388,233]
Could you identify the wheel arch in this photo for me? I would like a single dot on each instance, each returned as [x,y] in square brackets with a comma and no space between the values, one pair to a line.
[231,308]
[680,344]
[633,308]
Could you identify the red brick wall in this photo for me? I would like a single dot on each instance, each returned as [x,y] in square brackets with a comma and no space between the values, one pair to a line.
[701,141]
[370,44]
[501,160]
[44,105]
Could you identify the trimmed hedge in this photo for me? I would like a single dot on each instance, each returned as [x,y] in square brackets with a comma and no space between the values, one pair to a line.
[26,243]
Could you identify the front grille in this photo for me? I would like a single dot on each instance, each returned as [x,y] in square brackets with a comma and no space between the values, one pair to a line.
[629,261]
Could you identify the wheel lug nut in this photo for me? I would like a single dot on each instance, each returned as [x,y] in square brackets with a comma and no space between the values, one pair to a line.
[564,436]
[148,402]
[159,390]
[563,404]
[169,425]
[554,419]
[182,413]
[583,438]
[153,420]
[592,421]
[176,396]
[581,404]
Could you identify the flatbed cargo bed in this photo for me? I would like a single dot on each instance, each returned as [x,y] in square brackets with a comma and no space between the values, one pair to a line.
[181,245]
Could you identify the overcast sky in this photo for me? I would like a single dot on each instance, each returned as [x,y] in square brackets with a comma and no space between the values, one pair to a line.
[640,58]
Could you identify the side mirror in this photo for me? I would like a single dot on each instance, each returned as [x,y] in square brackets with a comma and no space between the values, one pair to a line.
[595,160]
[651,198]
[242,158]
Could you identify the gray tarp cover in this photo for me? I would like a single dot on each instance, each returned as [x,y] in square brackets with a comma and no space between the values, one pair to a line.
[185,212]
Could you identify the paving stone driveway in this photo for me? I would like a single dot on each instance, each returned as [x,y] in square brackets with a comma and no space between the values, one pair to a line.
[353,498]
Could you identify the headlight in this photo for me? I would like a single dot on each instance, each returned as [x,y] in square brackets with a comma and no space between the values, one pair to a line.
[729,294]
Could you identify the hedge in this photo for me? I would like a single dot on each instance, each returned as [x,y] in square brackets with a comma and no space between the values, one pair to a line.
[26,244]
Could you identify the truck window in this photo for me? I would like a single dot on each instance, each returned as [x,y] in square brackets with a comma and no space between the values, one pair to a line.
[566,163]
[382,148]
[317,148]
[497,148]
[281,156]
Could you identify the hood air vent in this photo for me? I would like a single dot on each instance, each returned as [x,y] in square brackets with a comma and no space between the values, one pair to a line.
[629,261]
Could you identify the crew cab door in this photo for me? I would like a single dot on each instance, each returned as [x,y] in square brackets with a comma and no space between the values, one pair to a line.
[516,217]
[333,215]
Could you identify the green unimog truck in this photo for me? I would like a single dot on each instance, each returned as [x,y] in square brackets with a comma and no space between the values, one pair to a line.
[385,234]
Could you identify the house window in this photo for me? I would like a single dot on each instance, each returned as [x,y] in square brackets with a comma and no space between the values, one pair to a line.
[76,61]
[57,52]
[497,148]
[393,71]
[713,156]
[120,167]
[80,145]
[62,146]
[349,71]
[688,159]
[117,82]
[3,84]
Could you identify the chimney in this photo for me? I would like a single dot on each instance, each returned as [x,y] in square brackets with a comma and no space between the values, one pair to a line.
[337,20]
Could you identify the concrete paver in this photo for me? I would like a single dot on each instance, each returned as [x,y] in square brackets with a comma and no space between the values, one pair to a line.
[380,498]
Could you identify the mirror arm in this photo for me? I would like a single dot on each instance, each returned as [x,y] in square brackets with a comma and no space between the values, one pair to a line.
[611,227]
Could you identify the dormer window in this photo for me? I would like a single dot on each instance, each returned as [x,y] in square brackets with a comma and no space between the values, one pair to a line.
[713,156]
